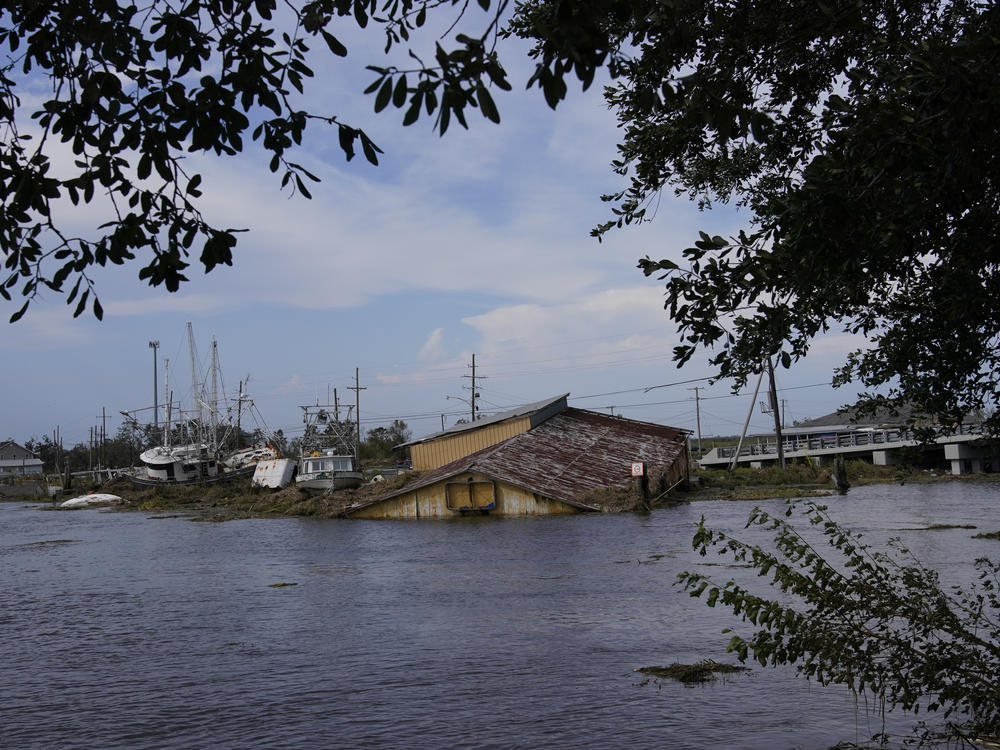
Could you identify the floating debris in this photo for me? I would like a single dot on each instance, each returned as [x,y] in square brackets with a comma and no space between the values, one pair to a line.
[703,671]
[280,585]
[941,526]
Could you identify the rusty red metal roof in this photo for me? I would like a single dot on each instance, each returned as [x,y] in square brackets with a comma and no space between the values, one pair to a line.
[567,456]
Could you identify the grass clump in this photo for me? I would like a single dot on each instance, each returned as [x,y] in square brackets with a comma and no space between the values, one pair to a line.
[699,672]
[988,535]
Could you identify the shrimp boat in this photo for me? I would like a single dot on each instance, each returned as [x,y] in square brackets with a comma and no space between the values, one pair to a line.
[192,448]
[328,458]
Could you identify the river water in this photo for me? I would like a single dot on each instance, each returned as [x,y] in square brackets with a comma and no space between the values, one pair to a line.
[122,630]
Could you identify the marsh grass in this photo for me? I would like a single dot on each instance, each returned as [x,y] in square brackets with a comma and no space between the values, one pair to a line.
[703,671]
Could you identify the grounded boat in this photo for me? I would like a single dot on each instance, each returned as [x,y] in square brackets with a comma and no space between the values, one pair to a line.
[326,471]
[251,456]
[328,458]
[179,464]
[198,457]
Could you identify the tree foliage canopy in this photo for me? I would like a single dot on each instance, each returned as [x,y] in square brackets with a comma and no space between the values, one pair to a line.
[858,136]
[130,89]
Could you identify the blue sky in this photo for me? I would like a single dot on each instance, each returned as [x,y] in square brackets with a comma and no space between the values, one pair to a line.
[477,242]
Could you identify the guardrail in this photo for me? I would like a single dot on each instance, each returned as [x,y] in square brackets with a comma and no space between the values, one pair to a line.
[848,439]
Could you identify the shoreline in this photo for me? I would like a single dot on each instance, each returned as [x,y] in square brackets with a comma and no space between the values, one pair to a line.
[238,499]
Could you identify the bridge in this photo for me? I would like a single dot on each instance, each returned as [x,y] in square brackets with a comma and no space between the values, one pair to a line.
[967,451]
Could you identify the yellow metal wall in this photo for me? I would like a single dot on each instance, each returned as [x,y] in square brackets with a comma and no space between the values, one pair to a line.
[430,502]
[444,450]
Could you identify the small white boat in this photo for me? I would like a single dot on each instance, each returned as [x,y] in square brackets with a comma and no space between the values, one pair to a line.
[94,498]
[326,471]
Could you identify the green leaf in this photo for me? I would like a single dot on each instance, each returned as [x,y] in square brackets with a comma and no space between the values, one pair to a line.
[20,313]
[334,44]
[486,103]
[399,93]
[370,150]
[384,95]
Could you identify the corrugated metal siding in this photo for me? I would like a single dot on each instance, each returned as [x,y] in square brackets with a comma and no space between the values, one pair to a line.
[435,453]
[431,501]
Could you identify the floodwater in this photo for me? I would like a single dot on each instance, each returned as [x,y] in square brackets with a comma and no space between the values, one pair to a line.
[122,630]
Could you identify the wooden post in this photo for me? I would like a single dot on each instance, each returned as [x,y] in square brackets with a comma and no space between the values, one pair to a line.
[840,475]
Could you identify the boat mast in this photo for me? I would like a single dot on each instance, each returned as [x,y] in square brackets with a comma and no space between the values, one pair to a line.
[215,395]
[166,401]
[195,385]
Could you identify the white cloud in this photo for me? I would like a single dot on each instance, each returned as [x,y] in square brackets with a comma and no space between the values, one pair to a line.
[433,348]
[608,315]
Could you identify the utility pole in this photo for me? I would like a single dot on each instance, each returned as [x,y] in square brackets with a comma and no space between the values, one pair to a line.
[357,388]
[473,399]
[777,416]
[475,395]
[697,415]
[154,345]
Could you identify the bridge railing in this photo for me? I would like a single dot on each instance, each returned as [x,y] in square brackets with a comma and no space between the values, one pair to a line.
[846,439]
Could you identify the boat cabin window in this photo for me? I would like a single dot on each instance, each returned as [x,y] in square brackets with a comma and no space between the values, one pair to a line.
[336,463]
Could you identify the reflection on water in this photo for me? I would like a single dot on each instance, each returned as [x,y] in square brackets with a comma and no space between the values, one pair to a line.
[122,631]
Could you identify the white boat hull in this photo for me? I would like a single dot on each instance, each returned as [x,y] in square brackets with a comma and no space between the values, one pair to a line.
[341,480]
[94,498]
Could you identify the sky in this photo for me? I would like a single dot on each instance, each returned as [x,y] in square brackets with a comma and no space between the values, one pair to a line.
[472,244]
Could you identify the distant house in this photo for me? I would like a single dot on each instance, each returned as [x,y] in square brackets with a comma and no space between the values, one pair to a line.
[541,459]
[16,460]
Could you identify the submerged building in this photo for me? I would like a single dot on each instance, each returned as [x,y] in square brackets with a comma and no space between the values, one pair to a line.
[540,459]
